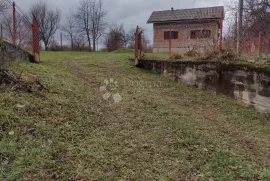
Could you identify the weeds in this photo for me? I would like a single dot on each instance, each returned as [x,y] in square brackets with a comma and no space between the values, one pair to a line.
[10,81]
[192,53]
[171,132]
[176,56]
[228,55]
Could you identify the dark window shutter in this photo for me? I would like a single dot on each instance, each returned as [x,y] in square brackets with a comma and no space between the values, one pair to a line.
[166,35]
[174,35]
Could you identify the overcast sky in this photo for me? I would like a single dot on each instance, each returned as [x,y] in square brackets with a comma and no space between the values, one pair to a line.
[127,12]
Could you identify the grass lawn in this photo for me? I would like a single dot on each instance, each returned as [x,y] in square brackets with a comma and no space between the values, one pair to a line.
[161,130]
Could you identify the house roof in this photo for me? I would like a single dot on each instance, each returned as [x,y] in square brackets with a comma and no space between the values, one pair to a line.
[186,14]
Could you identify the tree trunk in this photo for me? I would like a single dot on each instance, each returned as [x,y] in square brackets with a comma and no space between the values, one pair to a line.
[46,44]
[89,44]
[72,45]
[94,45]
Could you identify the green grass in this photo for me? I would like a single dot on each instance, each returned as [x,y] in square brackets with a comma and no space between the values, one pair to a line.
[161,130]
[123,50]
[165,56]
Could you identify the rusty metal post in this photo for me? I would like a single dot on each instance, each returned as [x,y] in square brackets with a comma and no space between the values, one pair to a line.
[137,46]
[221,31]
[250,46]
[35,40]
[170,41]
[259,43]
[14,24]
[240,27]
[140,45]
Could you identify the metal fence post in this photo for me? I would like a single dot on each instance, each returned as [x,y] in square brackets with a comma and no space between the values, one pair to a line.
[14,24]
[170,41]
[35,40]
[221,31]
[250,46]
[259,44]
[1,31]
[137,46]
[140,45]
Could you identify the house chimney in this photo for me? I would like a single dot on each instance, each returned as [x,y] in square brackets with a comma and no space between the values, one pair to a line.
[172,8]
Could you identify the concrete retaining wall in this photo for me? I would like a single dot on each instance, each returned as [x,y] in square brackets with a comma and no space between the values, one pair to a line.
[16,53]
[250,84]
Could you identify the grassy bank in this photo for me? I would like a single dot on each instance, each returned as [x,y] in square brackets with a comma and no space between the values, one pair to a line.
[160,130]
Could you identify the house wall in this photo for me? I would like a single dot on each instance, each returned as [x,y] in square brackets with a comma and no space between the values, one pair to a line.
[184,41]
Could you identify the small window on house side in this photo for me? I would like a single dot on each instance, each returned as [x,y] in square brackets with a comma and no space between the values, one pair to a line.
[174,35]
[200,34]
[206,34]
[195,34]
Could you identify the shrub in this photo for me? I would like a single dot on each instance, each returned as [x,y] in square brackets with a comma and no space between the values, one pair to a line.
[210,55]
[228,55]
[176,56]
[192,53]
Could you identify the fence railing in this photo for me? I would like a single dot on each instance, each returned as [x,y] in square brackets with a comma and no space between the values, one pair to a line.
[20,31]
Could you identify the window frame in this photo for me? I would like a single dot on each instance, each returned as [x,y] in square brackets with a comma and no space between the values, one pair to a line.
[175,35]
[200,34]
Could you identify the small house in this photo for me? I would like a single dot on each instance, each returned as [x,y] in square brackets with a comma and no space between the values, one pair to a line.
[187,29]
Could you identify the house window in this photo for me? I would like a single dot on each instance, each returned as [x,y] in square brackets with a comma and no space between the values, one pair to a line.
[195,34]
[206,34]
[200,34]
[174,35]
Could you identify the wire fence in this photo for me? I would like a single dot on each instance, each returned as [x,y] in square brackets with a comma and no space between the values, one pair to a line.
[20,29]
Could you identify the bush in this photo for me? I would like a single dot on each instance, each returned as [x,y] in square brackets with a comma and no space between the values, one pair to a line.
[212,55]
[228,55]
[176,56]
[192,53]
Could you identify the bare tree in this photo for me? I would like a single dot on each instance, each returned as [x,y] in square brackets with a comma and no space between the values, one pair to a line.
[3,6]
[79,42]
[90,18]
[83,19]
[116,38]
[48,20]
[69,30]
[255,13]
[98,16]
[126,38]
